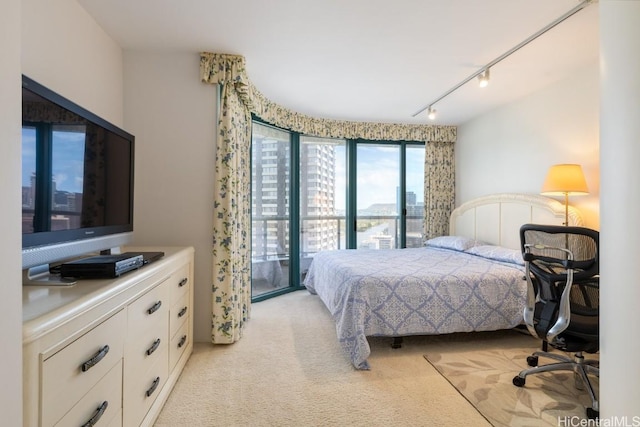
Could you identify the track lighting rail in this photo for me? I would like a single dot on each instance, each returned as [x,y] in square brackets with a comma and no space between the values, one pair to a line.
[514,49]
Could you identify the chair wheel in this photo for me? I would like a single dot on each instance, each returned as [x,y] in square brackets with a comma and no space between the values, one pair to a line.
[532,361]
[519,381]
[593,415]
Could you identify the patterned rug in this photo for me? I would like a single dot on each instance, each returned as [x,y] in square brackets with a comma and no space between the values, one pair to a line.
[482,371]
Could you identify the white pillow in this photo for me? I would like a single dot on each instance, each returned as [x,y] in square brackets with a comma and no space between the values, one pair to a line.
[456,243]
[497,253]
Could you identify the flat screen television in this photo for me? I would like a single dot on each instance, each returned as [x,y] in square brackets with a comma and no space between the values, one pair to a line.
[77,183]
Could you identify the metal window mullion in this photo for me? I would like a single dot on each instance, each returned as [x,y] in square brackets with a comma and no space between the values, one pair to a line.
[351,214]
[403,195]
[294,210]
[43,205]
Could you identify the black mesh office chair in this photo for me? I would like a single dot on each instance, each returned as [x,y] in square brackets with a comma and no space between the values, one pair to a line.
[562,270]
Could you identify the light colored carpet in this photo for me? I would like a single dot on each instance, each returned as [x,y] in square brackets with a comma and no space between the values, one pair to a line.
[483,370]
[288,370]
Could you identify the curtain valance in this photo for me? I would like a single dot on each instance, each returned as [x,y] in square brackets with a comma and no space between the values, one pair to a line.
[218,68]
[224,69]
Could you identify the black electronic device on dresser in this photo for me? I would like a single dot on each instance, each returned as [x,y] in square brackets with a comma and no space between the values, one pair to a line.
[101,266]
[107,265]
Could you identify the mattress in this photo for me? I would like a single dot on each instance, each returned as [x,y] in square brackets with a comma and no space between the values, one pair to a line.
[415,291]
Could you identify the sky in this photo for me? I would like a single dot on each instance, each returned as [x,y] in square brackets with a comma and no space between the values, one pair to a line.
[379,174]
[68,159]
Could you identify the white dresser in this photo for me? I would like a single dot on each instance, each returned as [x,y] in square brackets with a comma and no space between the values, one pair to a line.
[108,352]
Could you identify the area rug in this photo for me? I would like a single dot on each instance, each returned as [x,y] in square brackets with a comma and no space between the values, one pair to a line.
[482,371]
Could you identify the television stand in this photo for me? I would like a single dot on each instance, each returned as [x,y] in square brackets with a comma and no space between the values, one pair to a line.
[41,276]
[109,349]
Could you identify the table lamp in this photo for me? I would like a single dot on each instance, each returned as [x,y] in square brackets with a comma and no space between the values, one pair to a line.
[565,180]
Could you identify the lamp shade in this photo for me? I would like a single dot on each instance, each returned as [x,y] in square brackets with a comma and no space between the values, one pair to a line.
[565,179]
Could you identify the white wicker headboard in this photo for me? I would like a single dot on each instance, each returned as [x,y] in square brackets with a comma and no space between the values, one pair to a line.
[497,218]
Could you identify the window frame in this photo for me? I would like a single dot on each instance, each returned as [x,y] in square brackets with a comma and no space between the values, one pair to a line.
[294,277]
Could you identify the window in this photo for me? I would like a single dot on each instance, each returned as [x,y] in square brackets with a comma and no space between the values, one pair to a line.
[270,157]
[322,197]
[414,195]
[312,194]
[378,196]
[54,151]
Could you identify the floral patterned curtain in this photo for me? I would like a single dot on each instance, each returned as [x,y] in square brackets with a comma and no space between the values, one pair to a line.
[439,188]
[231,212]
[231,286]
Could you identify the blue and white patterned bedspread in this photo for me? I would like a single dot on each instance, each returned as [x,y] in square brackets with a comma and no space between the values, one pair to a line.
[414,291]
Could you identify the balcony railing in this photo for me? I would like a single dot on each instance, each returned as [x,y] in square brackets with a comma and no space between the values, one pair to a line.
[271,233]
[270,243]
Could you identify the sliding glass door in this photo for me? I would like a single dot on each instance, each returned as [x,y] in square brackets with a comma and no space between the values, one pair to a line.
[270,214]
[322,197]
[313,194]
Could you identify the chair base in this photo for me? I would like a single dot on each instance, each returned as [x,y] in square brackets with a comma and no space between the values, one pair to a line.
[578,364]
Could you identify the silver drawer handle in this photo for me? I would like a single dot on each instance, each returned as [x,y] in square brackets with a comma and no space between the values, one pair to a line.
[97,415]
[182,312]
[95,359]
[183,282]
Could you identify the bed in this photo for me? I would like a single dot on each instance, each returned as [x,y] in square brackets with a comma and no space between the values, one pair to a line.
[471,280]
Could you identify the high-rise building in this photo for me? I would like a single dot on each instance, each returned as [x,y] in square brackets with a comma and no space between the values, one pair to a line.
[411,198]
[270,197]
[320,228]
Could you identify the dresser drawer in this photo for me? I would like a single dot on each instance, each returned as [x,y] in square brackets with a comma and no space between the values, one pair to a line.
[178,345]
[102,405]
[117,420]
[179,283]
[142,388]
[70,373]
[178,314]
[148,309]
[142,351]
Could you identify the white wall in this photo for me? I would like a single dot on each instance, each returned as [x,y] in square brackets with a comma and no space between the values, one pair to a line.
[169,111]
[10,166]
[59,45]
[173,115]
[64,49]
[511,148]
[619,268]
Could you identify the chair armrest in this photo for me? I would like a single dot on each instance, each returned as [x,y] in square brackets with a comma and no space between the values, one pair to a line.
[530,305]
[564,310]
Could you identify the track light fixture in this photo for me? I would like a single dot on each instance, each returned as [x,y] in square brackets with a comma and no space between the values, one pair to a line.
[483,78]
[483,73]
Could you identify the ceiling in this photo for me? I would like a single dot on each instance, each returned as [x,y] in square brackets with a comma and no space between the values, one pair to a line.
[369,60]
